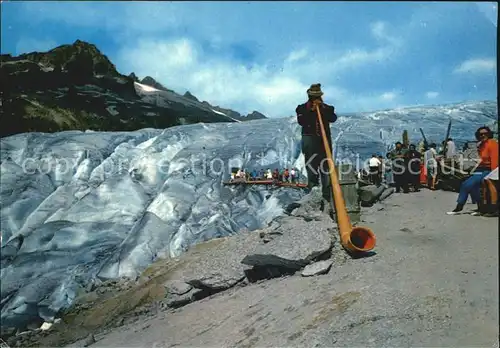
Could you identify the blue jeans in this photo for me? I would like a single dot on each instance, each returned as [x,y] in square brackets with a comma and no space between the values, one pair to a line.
[472,187]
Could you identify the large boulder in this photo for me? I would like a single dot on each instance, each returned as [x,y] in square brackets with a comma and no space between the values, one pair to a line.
[369,194]
[285,247]
[292,246]
[310,207]
[387,192]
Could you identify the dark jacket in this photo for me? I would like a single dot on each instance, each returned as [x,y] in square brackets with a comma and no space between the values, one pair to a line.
[399,159]
[414,159]
[308,119]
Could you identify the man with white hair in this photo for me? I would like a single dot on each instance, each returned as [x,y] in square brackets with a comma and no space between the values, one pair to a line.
[375,165]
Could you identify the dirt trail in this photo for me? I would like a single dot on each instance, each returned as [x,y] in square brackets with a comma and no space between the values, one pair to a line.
[432,282]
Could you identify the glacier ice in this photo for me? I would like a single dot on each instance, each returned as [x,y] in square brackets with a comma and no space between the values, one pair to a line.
[76,206]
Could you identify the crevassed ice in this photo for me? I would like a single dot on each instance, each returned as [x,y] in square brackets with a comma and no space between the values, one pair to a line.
[104,204]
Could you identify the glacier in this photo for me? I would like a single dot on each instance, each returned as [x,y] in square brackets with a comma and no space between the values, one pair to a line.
[78,207]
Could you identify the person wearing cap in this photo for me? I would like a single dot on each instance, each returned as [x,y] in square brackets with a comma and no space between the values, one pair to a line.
[312,141]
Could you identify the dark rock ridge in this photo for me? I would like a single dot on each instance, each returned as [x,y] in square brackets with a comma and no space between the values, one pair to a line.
[76,87]
[80,55]
[133,77]
[190,96]
[255,115]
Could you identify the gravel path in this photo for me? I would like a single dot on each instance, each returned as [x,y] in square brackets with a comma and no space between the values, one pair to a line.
[432,282]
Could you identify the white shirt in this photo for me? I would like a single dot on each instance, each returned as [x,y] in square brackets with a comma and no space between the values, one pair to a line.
[292,172]
[450,149]
[374,162]
[430,157]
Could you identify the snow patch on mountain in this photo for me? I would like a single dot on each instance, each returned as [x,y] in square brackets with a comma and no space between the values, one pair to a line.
[145,88]
[223,114]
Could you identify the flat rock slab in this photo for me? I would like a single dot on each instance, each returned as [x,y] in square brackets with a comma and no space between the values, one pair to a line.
[177,287]
[317,268]
[216,265]
[294,244]
[288,245]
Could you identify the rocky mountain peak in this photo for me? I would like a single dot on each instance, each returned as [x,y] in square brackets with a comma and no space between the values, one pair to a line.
[190,96]
[75,86]
[80,55]
[148,80]
[133,76]
[255,115]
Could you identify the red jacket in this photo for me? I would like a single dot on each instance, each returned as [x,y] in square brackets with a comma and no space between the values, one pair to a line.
[488,152]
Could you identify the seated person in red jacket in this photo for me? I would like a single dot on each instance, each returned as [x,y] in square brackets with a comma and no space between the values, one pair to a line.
[488,152]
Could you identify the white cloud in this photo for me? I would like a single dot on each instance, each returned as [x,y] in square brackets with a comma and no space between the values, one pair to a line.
[25,45]
[296,55]
[360,56]
[176,54]
[378,29]
[380,32]
[477,66]
[431,95]
[182,64]
[388,96]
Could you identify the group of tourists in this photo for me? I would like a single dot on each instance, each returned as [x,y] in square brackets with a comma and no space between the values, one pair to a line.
[284,175]
[403,165]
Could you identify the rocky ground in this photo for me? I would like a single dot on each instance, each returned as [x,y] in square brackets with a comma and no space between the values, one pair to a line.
[432,281]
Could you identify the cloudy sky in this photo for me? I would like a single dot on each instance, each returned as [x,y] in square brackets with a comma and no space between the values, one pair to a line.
[263,55]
